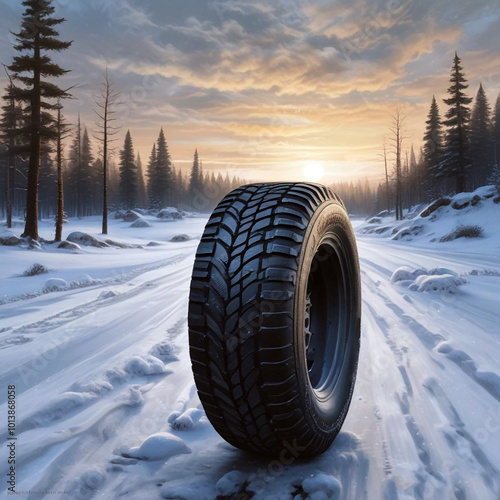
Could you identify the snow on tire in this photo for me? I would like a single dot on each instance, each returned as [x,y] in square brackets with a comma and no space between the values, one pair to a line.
[274,318]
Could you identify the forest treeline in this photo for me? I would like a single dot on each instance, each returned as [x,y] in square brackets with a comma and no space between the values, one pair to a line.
[41,179]
[99,170]
[460,151]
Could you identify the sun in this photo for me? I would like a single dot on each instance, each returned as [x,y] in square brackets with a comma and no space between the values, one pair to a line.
[314,171]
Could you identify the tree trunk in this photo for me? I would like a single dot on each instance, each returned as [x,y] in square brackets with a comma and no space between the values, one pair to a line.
[31,226]
[105,174]
[60,187]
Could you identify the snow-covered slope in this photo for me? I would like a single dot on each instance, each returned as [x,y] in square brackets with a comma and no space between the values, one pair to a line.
[106,402]
[439,221]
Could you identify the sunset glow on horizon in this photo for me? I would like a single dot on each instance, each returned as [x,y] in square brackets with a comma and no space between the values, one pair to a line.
[264,89]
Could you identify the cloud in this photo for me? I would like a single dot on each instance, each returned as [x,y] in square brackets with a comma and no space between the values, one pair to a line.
[271,83]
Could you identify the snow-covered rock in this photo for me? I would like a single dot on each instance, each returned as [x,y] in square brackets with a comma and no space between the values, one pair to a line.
[322,487]
[55,285]
[405,273]
[169,213]
[230,483]
[187,420]
[131,216]
[180,238]
[141,222]
[444,283]
[10,240]
[86,239]
[69,245]
[160,446]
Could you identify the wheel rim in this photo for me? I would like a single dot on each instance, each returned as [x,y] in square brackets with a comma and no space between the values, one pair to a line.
[325,319]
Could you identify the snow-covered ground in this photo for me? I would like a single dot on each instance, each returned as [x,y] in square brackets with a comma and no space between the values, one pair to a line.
[106,402]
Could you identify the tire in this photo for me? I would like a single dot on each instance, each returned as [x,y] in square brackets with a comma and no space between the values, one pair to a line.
[274,318]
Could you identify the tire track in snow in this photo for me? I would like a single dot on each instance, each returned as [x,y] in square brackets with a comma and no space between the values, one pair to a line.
[20,335]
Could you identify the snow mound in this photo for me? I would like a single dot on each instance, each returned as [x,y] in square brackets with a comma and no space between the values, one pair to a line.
[180,238]
[231,483]
[444,283]
[153,244]
[406,273]
[107,294]
[141,222]
[87,484]
[169,213]
[165,351]
[150,365]
[438,280]
[55,285]
[69,245]
[160,446]
[322,487]
[86,240]
[187,420]
[59,408]
[120,244]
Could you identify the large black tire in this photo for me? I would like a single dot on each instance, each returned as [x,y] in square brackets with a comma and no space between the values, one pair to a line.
[274,318]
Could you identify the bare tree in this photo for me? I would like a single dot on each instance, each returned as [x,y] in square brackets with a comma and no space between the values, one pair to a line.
[62,129]
[106,102]
[397,138]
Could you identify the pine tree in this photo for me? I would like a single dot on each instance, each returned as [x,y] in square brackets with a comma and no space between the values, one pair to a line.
[481,140]
[128,174]
[87,160]
[433,150]
[142,197]
[163,174]
[76,182]
[194,180]
[153,195]
[456,161]
[35,39]
[496,133]
[62,129]
[11,127]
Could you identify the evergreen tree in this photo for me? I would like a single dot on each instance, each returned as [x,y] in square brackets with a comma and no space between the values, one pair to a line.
[11,131]
[456,161]
[128,174]
[481,141]
[62,129]
[163,172]
[142,197]
[433,150]
[75,185]
[494,177]
[87,160]
[154,198]
[194,180]
[496,133]
[35,39]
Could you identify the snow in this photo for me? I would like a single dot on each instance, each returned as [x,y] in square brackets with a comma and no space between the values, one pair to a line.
[421,225]
[107,406]
[160,446]
[141,222]
[445,283]
[55,285]
[231,483]
[322,487]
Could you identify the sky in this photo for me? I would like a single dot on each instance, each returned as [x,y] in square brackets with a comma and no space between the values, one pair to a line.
[265,88]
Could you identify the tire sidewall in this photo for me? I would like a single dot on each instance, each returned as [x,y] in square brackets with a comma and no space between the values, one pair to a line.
[326,417]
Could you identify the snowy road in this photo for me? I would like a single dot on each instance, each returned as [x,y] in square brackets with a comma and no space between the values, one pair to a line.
[98,369]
